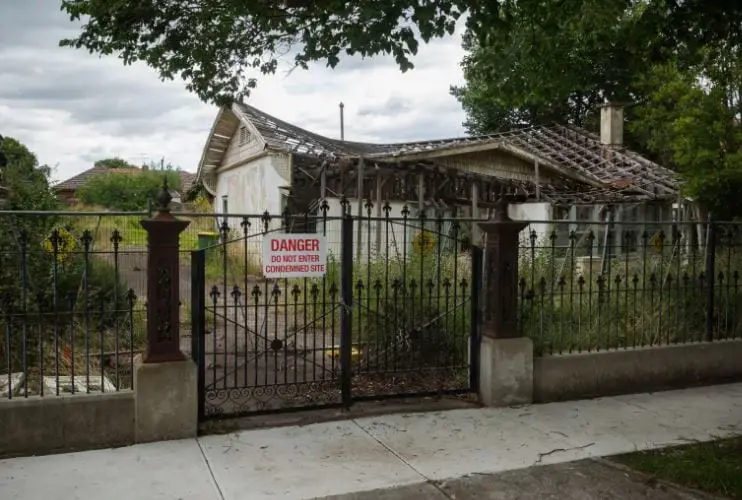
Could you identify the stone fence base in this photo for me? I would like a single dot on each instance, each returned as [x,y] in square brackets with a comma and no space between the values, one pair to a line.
[510,375]
[164,405]
[626,371]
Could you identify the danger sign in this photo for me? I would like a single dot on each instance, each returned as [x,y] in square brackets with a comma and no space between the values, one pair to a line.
[294,256]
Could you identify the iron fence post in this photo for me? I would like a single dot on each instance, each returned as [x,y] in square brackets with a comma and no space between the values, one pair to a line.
[710,270]
[346,302]
[475,333]
[163,283]
[198,322]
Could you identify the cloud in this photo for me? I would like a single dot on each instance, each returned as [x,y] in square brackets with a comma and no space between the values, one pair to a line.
[72,108]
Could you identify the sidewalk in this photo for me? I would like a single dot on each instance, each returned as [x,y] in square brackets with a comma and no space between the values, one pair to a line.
[377,452]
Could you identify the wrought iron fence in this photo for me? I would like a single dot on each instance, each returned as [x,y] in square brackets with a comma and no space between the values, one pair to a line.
[393,315]
[598,286]
[71,310]
[414,291]
[261,343]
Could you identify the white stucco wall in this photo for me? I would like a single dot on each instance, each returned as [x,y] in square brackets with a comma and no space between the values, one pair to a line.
[253,187]
[391,242]
[539,213]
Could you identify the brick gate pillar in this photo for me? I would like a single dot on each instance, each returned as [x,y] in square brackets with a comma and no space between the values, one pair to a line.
[506,357]
[165,381]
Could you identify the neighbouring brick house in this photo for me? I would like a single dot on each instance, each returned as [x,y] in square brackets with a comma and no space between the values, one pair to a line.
[67,189]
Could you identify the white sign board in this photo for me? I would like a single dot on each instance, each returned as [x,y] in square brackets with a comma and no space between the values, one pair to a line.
[294,256]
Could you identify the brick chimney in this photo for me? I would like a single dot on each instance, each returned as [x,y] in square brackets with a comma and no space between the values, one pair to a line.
[611,124]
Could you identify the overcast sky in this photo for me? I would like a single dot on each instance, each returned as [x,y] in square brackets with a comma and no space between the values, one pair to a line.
[72,108]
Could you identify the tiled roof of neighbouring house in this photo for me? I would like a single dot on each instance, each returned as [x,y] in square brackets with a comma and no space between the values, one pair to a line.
[76,182]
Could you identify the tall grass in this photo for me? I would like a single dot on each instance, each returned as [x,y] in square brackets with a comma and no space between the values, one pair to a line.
[647,297]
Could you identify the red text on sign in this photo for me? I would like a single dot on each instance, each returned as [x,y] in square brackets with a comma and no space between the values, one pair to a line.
[292,245]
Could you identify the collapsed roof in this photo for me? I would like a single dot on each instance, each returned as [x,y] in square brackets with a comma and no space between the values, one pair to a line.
[583,162]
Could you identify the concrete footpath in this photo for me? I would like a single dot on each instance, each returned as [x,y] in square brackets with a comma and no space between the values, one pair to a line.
[405,452]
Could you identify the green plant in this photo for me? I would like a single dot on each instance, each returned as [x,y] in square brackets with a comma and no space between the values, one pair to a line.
[51,290]
[133,190]
[715,467]
[637,299]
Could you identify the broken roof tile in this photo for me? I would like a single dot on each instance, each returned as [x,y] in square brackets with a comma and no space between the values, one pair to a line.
[567,147]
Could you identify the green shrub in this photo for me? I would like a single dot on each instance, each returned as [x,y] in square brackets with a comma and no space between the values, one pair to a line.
[126,191]
[33,277]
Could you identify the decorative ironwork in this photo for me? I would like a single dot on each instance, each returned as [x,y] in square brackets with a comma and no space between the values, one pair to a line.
[385,320]
[164,301]
[164,197]
[240,401]
[69,319]
[613,285]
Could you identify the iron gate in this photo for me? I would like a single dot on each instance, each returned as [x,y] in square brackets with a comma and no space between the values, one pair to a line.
[396,314]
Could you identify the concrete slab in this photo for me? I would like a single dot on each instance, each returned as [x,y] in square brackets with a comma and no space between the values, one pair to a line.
[144,472]
[402,454]
[723,404]
[608,426]
[80,384]
[14,381]
[422,491]
[450,444]
[302,462]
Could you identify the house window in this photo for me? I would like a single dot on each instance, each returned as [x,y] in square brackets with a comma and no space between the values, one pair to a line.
[244,135]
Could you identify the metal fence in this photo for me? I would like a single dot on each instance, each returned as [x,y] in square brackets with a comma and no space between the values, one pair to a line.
[71,316]
[73,294]
[394,315]
[73,288]
[597,286]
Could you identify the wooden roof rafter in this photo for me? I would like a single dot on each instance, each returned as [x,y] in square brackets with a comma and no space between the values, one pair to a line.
[560,191]
[574,154]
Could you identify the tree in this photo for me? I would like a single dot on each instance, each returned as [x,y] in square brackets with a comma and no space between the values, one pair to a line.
[130,192]
[213,44]
[29,189]
[34,279]
[218,46]
[28,182]
[161,165]
[691,120]
[114,163]
[538,64]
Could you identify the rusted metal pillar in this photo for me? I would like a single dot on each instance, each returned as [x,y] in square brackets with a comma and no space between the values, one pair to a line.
[500,318]
[163,282]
